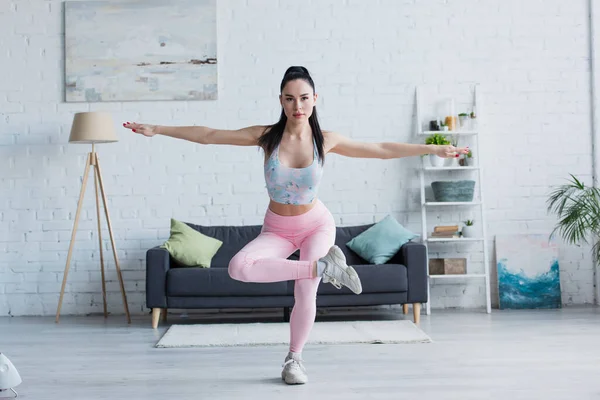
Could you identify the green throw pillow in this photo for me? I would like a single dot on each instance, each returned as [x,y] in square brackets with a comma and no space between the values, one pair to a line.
[379,243]
[190,247]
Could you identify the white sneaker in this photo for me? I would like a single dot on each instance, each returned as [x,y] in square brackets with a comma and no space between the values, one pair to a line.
[294,372]
[338,273]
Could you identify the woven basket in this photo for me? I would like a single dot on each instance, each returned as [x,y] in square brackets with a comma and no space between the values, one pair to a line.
[453,190]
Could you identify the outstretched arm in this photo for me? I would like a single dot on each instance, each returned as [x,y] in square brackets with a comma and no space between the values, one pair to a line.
[201,134]
[344,146]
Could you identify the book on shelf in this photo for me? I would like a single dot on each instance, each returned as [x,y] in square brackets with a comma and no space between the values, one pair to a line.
[445,235]
[446,228]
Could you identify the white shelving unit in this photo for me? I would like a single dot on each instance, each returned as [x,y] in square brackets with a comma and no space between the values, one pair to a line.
[431,206]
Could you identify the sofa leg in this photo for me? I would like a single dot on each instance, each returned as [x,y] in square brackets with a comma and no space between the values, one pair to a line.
[404,309]
[156,313]
[164,315]
[286,314]
[417,312]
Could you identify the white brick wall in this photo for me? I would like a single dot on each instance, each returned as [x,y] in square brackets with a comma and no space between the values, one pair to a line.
[366,58]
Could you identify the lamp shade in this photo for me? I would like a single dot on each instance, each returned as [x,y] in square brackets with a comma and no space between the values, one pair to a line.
[92,127]
[9,376]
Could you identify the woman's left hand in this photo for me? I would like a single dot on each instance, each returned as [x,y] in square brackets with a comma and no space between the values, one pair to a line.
[449,151]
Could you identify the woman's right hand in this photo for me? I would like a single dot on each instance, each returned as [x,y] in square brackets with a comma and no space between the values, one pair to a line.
[144,129]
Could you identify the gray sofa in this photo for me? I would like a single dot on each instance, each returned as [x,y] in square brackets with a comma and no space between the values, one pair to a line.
[403,280]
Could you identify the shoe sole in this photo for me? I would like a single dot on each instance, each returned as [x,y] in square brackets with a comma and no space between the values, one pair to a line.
[352,272]
[293,382]
[339,257]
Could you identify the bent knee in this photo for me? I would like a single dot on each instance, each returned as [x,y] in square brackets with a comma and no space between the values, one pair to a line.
[237,268]
[305,290]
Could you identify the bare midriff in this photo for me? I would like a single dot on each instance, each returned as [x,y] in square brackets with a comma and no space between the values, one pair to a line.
[289,210]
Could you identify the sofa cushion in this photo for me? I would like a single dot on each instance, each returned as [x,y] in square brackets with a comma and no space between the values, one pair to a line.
[381,242]
[236,237]
[189,247]
[233,238]
[385,278]
[343,235]
[196,281]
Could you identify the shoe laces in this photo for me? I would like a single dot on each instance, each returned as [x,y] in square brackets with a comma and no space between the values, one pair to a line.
[335,283]
[331,278]
[294,364]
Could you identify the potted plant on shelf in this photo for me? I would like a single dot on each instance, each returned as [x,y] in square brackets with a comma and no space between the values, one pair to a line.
[436,139]
[468,231]
[467,159]
[578,209]
[463,121]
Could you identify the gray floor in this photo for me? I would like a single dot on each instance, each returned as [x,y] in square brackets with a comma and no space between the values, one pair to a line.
[550,354]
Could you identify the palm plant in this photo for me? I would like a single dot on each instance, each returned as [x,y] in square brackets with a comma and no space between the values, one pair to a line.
[578,210]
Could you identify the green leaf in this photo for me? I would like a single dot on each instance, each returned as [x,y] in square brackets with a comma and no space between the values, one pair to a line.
[578,210]
[437,138]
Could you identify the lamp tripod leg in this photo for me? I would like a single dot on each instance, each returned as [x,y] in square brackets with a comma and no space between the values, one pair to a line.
[74,233]
[100,243]
[112,239]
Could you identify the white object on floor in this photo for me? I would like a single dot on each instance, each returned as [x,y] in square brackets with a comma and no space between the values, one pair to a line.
[9,376]
[265,334]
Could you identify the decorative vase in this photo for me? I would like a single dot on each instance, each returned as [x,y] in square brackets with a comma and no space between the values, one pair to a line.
[469,231]
[436,161]
[450,122]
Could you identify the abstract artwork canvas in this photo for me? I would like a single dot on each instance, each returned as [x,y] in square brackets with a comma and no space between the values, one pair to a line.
[528,271]
[140,50]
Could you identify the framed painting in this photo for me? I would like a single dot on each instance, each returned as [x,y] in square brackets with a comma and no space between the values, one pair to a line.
[140,50]
[528,271]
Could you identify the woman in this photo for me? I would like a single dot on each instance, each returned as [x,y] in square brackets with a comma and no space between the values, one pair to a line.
[295,149]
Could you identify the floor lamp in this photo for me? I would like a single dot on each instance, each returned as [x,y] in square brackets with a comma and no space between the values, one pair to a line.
[93,127]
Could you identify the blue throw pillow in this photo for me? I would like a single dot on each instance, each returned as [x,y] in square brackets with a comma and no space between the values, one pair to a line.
[379,243]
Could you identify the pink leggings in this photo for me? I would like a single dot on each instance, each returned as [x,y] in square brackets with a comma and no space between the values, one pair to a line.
[265,260]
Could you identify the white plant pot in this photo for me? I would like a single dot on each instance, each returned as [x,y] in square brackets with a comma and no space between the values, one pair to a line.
[469,232]
[436,161]
[452,162]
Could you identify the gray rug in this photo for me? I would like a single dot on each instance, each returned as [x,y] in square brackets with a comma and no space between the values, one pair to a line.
[266,334]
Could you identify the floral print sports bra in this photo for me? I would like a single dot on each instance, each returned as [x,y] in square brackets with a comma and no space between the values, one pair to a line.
[293,185]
